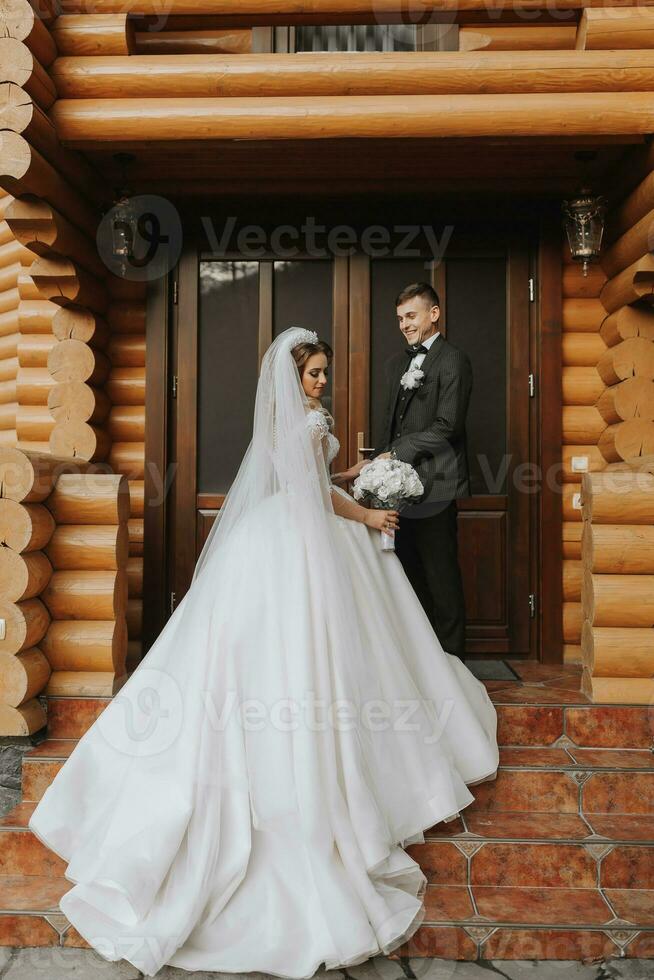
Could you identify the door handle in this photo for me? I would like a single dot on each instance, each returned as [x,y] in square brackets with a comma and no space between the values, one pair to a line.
[361,449]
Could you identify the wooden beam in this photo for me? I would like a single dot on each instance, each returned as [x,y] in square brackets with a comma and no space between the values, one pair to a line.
[616,27]
[18,65]
[94,34]
[513,37]
[21,21]
[400,73]
[85,122]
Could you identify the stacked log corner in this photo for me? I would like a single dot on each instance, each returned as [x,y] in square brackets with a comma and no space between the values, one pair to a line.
[618,585]
[63,583]
[582,387]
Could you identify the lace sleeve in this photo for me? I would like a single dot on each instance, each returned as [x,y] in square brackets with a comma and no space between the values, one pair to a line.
[317,424]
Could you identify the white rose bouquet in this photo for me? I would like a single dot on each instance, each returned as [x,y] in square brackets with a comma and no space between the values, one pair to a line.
[386,483]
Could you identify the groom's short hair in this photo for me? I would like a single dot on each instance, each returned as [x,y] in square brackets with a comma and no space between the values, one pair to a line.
[424,289]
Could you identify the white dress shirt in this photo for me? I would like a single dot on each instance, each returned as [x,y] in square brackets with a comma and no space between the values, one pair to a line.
[419,358]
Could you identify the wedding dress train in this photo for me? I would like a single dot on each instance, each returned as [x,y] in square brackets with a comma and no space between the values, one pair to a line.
[243,801]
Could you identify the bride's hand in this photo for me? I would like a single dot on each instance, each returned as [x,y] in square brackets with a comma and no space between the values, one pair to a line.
[383,520]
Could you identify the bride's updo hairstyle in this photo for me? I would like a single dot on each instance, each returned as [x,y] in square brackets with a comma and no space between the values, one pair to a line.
[303,352]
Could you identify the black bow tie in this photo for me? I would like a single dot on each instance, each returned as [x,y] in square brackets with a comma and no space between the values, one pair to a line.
[418,349]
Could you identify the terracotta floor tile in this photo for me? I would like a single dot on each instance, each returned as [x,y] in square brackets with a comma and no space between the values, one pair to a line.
[535,725]
[618,792]
[21,853]
[443,942]
[527,826]
[37,776]
[636,906]
[53,748]
[570,683]
[628,866]
[73,938]
[71,717]
[27,930]
[527,756]
[525,790]
[538,695]
[641,946]
[610,726]
[548,944]
[32,893]
[19,816]
[443,863]
[623,826]
[448,902]
[542,906]
[532,671]
[613,758]
[449,829]
[546,865]
[492,686]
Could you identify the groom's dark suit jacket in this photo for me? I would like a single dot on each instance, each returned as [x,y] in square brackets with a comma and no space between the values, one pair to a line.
[426,425]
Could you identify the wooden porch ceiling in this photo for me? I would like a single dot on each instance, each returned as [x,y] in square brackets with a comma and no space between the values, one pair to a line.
[439,167]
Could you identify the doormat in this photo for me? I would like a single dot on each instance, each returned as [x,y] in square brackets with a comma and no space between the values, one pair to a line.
[491,670]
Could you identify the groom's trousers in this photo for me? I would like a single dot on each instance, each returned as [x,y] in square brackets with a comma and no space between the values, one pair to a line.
[427,548]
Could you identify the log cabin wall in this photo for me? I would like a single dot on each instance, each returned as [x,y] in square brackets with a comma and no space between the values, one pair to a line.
[617,545]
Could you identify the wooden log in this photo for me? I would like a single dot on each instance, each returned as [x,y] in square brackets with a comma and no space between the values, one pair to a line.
[211,42]
[576,284]
[126,386]
[126,316]
[94,35]
[136,498]
[634,437]
[77,323]
[127,351]
[84,683]
[582,350]
[26,719]
[30,477]
[89,547]
[35,316]
[33,385]
[25,624]
[135,575]
[615,28]
[618,600]
[86,645]
[80,439]
[41,229]
[627,322]
[33,423]
[572,620]
[582,314]
[350,73]
[128,458]
[62,281]
[581,424]
[581,385]
[580,459]
[93,499]
[634,206]
[614,651]
[134,618]
[617,690]
[34,349]
[73,360]
[616,497]
[23,170]
[630,247]
[90,122]
[634,283]
[21,21]
[572,576]
[98,595]
[633,398]
[23,576]
[135,529]
[512,37]
[127,422]
[19,66]
[633,464]
[571,501]
[633,358]
[22,676]
[77,400]
[571,653]
[24,527]
[618,548]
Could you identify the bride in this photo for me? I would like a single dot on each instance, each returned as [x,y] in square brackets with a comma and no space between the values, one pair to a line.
[243,802]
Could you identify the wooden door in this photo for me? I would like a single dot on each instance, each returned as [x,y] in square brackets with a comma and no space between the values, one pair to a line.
[485,311]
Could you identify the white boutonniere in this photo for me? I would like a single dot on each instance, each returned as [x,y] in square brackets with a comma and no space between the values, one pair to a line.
[412,378]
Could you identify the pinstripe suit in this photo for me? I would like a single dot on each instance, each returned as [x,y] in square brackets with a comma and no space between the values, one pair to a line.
[426,427]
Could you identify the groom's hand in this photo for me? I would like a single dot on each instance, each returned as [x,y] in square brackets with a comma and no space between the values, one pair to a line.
[351,474]
[384,456]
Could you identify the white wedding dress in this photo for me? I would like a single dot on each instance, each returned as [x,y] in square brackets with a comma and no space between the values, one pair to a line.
[243,801]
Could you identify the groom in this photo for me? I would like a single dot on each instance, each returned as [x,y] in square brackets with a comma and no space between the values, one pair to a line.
[428,387]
